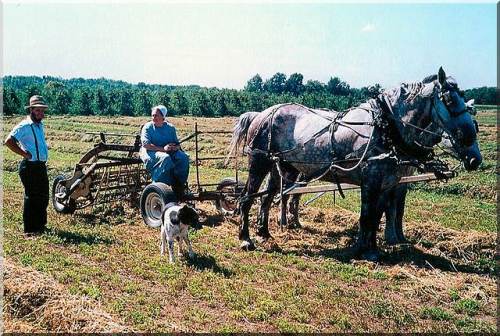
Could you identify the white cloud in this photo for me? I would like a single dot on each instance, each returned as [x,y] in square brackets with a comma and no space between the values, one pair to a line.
[368,28]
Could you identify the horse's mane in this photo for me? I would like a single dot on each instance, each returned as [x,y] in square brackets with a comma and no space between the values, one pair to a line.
[405,93]
[429,79]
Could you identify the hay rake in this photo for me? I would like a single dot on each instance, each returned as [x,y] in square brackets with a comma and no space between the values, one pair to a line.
[101,178]
[111,173]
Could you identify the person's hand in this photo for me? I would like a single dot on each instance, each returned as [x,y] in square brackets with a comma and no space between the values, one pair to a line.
[171,147]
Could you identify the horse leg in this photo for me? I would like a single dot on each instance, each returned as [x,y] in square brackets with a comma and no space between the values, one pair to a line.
[290,175]
[266,202]
[371,212]
[256,173]
[400,198]
[394,215]
[290,212]
[388,204]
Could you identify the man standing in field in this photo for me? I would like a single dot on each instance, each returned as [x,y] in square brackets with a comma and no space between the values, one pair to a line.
[28,140]
[161,152]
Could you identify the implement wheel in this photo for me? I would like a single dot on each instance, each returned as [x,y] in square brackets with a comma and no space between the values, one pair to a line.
[153,200]
[231,190]
[59,189]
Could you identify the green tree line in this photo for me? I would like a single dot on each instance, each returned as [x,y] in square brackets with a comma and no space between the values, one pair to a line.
[107,97]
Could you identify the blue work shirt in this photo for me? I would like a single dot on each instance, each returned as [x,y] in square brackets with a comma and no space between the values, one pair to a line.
[158,136]
[164,167]
[25,132]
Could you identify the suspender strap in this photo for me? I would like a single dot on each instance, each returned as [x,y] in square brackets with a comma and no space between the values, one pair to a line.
[36,143]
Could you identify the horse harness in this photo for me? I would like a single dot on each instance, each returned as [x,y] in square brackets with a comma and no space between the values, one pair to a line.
[383,118]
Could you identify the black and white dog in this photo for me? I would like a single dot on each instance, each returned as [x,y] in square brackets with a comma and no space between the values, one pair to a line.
[176,220]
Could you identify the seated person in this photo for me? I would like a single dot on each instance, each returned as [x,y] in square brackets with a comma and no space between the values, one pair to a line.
[161,152]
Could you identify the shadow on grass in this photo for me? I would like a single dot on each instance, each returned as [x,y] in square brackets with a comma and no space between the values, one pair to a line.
[389,255]
[410,254]
[102,218]
[67,237]
[202,262]
[210,220]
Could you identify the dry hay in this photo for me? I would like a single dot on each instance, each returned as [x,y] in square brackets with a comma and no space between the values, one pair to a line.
[467,246]
[333,231]
[35,302]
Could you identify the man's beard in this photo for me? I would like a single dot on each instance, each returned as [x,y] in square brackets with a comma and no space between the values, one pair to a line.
[34,118]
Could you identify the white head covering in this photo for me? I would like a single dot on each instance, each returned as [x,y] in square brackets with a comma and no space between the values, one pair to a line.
[162,109]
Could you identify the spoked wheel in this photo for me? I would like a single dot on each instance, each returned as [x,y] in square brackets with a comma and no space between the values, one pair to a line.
[154,198]
[231,190]
[58,191]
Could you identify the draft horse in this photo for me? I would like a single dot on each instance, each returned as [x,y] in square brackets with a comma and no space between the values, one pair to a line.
[372,145]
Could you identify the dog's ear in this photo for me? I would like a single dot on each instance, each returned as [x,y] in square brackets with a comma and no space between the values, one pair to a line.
[193,216]
[193,211]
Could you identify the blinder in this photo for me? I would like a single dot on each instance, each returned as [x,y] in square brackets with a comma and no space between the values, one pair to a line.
[453,102]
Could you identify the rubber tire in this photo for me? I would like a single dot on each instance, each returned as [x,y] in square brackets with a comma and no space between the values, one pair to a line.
[155,195]
[59,207]
[229,184]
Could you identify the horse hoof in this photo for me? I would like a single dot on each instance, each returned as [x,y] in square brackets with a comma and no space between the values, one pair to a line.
[373,255]
[247,245]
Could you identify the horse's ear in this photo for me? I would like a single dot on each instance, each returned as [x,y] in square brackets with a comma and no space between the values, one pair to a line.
[441,76]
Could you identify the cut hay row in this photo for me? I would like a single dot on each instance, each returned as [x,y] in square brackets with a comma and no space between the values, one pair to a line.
[34,302]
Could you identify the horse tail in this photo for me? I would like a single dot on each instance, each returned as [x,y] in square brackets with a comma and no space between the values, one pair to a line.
[240,130]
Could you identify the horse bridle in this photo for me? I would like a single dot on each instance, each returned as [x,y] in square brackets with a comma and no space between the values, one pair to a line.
[444,95]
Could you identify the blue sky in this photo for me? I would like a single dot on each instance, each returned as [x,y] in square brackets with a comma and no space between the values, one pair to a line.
[225,44]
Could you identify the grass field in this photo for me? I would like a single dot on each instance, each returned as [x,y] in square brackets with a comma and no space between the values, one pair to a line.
[106,266]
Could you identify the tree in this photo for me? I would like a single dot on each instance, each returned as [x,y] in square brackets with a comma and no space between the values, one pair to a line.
[161,97]
[217,102]
[275,84]
[99,102]
[254,101]
[82,103]
[314,86]
[337,87]
[126,107]
[294,84]
[199,105]
[483,95]
[178,103]
[58,97]
[113,98]
[234,102]
[31,90]
[11,102]
[254,84]
[142,102]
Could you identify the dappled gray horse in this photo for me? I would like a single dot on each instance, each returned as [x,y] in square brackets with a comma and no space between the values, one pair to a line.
[372,145]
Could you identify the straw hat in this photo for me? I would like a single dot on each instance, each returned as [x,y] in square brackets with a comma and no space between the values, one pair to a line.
[36,101]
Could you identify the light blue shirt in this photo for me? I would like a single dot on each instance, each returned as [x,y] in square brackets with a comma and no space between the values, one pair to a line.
[25,133]
[158,136]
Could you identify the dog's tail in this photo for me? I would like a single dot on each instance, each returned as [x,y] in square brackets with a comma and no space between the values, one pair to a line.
[240,130]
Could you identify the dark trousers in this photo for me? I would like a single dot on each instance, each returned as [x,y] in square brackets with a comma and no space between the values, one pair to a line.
[36,195]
